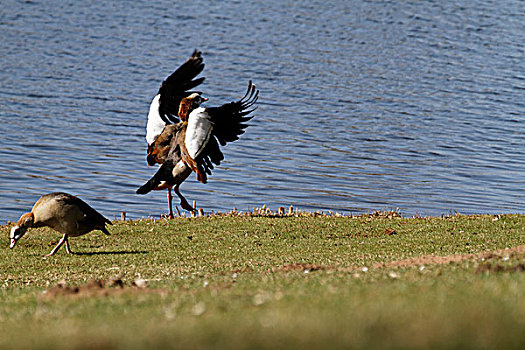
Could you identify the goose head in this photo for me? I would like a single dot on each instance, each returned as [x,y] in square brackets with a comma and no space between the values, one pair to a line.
[19,230]
[188,104]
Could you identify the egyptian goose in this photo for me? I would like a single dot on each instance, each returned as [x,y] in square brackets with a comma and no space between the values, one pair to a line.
[64,213]
[193,144]
[166,109]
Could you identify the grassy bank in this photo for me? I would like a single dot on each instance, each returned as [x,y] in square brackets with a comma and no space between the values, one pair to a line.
[268,282]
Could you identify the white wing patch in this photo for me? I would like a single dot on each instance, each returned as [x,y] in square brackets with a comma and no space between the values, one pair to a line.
[155,122]
[198,132]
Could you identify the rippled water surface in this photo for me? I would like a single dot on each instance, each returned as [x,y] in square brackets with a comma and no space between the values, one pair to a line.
[364,105]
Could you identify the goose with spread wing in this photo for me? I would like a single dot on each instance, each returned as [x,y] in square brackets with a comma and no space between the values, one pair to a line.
[166,109]
[193,145]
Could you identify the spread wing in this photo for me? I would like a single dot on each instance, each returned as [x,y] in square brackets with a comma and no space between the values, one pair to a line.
[227,124]
[165,105]
[178,85]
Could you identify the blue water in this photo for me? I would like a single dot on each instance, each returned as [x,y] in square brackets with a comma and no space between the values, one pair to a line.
[364,105]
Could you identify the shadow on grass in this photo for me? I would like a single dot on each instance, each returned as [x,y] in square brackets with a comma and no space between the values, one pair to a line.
[121,252]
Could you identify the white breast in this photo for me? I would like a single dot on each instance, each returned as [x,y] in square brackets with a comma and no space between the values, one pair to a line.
[155,122]
[198,132]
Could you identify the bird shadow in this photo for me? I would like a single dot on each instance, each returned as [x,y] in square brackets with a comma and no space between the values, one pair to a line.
[120,252]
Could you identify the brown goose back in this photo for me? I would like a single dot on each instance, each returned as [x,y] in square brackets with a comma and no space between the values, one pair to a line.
[68,214]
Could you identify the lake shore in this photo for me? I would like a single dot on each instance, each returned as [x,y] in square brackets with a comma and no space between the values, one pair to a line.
[267,280]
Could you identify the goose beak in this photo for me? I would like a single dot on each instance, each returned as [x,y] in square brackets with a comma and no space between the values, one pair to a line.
[13,242]
[204,99]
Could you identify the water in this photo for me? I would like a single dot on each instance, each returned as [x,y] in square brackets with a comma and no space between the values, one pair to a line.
[364,105]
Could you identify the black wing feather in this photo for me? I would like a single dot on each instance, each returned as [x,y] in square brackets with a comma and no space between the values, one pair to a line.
[178,85]
[230,118]
[229,123]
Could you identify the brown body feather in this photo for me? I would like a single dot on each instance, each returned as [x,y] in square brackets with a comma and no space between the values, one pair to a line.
[159,149]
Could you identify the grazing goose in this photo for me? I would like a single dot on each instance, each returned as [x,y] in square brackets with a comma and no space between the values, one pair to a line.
[193,144]
[64,213]
[166,109]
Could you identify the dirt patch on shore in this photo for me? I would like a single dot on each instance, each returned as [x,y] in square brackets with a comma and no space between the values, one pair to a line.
[423,260]
[94,287]
[303,267]
[447,259]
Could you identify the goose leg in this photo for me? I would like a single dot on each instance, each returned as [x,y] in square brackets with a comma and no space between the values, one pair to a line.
[68,250]
[62,240]
[170,208]
[183,202]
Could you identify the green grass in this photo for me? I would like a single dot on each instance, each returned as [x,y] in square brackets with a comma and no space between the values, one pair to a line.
[234,282]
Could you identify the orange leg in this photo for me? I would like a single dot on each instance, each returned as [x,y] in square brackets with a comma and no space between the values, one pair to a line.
[170,208]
